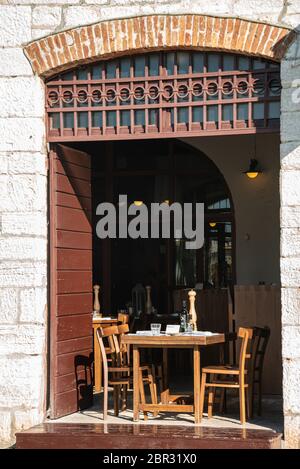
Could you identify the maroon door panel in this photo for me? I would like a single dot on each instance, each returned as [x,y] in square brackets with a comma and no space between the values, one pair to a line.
[71,387]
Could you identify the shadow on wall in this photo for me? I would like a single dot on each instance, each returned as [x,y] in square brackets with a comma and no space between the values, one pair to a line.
[84,380]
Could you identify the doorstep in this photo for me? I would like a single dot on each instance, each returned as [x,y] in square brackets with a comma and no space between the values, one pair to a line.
[143,436]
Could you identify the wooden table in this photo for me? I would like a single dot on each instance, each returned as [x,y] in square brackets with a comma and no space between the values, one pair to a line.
[165,342]
[103,322]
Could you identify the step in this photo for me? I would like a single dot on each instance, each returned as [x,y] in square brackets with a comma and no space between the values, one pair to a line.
[143,436]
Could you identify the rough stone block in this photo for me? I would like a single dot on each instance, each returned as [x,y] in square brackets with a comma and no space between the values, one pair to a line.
[3,164]
[8,305]
[33,305]
[81,15]
[290,217]
[22,339]
[290,155]
[291,386]
[290,306]
[290,242]
[290,126]
[23,193]
[22,134]
[5,425]
[27,163]
[22,97]
[46,2]
[290,183]
[290,97]
[292,431]
[291,342]
[290,272]
[14,63]
[268,10]
[39,33]
[23,274]
[24,419]
[15,25]
[22,381]
[46,17]
[24,223]
[23,248]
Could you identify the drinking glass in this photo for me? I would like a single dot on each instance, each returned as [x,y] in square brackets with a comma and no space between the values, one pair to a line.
[155,329]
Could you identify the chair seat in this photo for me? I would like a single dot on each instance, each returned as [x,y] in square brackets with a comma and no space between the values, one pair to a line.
[222,369]
[119,380]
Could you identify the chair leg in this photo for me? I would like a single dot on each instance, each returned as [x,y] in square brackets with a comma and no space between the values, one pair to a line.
[211,398]
[142,392]
[124,397]
[154,382]
[159,376]
[242,404]
[222,400]
[259,397]
[116,399]
[153,391]
[250,395]
[105,395]
[202,394]
[247,398]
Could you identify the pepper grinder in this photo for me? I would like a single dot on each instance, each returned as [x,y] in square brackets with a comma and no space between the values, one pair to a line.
[192,311]
[96,289]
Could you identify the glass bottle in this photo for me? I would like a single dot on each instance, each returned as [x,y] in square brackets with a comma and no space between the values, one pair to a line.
[183,317]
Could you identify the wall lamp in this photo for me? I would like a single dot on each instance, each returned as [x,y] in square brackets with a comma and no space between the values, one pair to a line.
[254,169]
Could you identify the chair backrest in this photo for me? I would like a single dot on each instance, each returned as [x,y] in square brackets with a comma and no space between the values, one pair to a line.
[259,344]
[124,349]
[246,335]
[123,318]
[113,348]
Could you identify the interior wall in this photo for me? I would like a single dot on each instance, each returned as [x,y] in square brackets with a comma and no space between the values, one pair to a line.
[256,202]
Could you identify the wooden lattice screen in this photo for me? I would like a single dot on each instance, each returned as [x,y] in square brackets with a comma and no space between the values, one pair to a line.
[165,94]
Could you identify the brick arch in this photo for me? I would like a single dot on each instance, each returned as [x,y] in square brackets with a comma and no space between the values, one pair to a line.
[107,39]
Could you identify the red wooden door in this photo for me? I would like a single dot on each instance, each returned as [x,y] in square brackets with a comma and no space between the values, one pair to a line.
[71,386]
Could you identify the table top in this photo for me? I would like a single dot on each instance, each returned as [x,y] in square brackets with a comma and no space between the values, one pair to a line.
[180,340]
[104,320]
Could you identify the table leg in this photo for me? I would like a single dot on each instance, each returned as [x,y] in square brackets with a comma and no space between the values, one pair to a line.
[136,392]
[165,377]
[97,364]
[165,392]
[197,383]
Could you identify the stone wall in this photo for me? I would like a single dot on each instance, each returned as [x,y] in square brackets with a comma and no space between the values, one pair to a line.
[23,189]
[290,242]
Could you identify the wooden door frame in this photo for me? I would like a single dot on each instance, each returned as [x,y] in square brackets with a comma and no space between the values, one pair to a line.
[52,279]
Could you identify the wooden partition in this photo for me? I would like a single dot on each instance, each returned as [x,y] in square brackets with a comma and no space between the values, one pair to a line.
[211,307]
[259,305]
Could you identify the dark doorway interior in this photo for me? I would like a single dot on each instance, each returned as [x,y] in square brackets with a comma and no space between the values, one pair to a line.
[160,171]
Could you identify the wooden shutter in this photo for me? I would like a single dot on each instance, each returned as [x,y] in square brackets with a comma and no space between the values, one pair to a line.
[71,386]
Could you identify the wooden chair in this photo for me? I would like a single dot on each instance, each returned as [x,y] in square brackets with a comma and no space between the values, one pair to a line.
[115,372]
[259,344]
[228,376]
[147,371]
